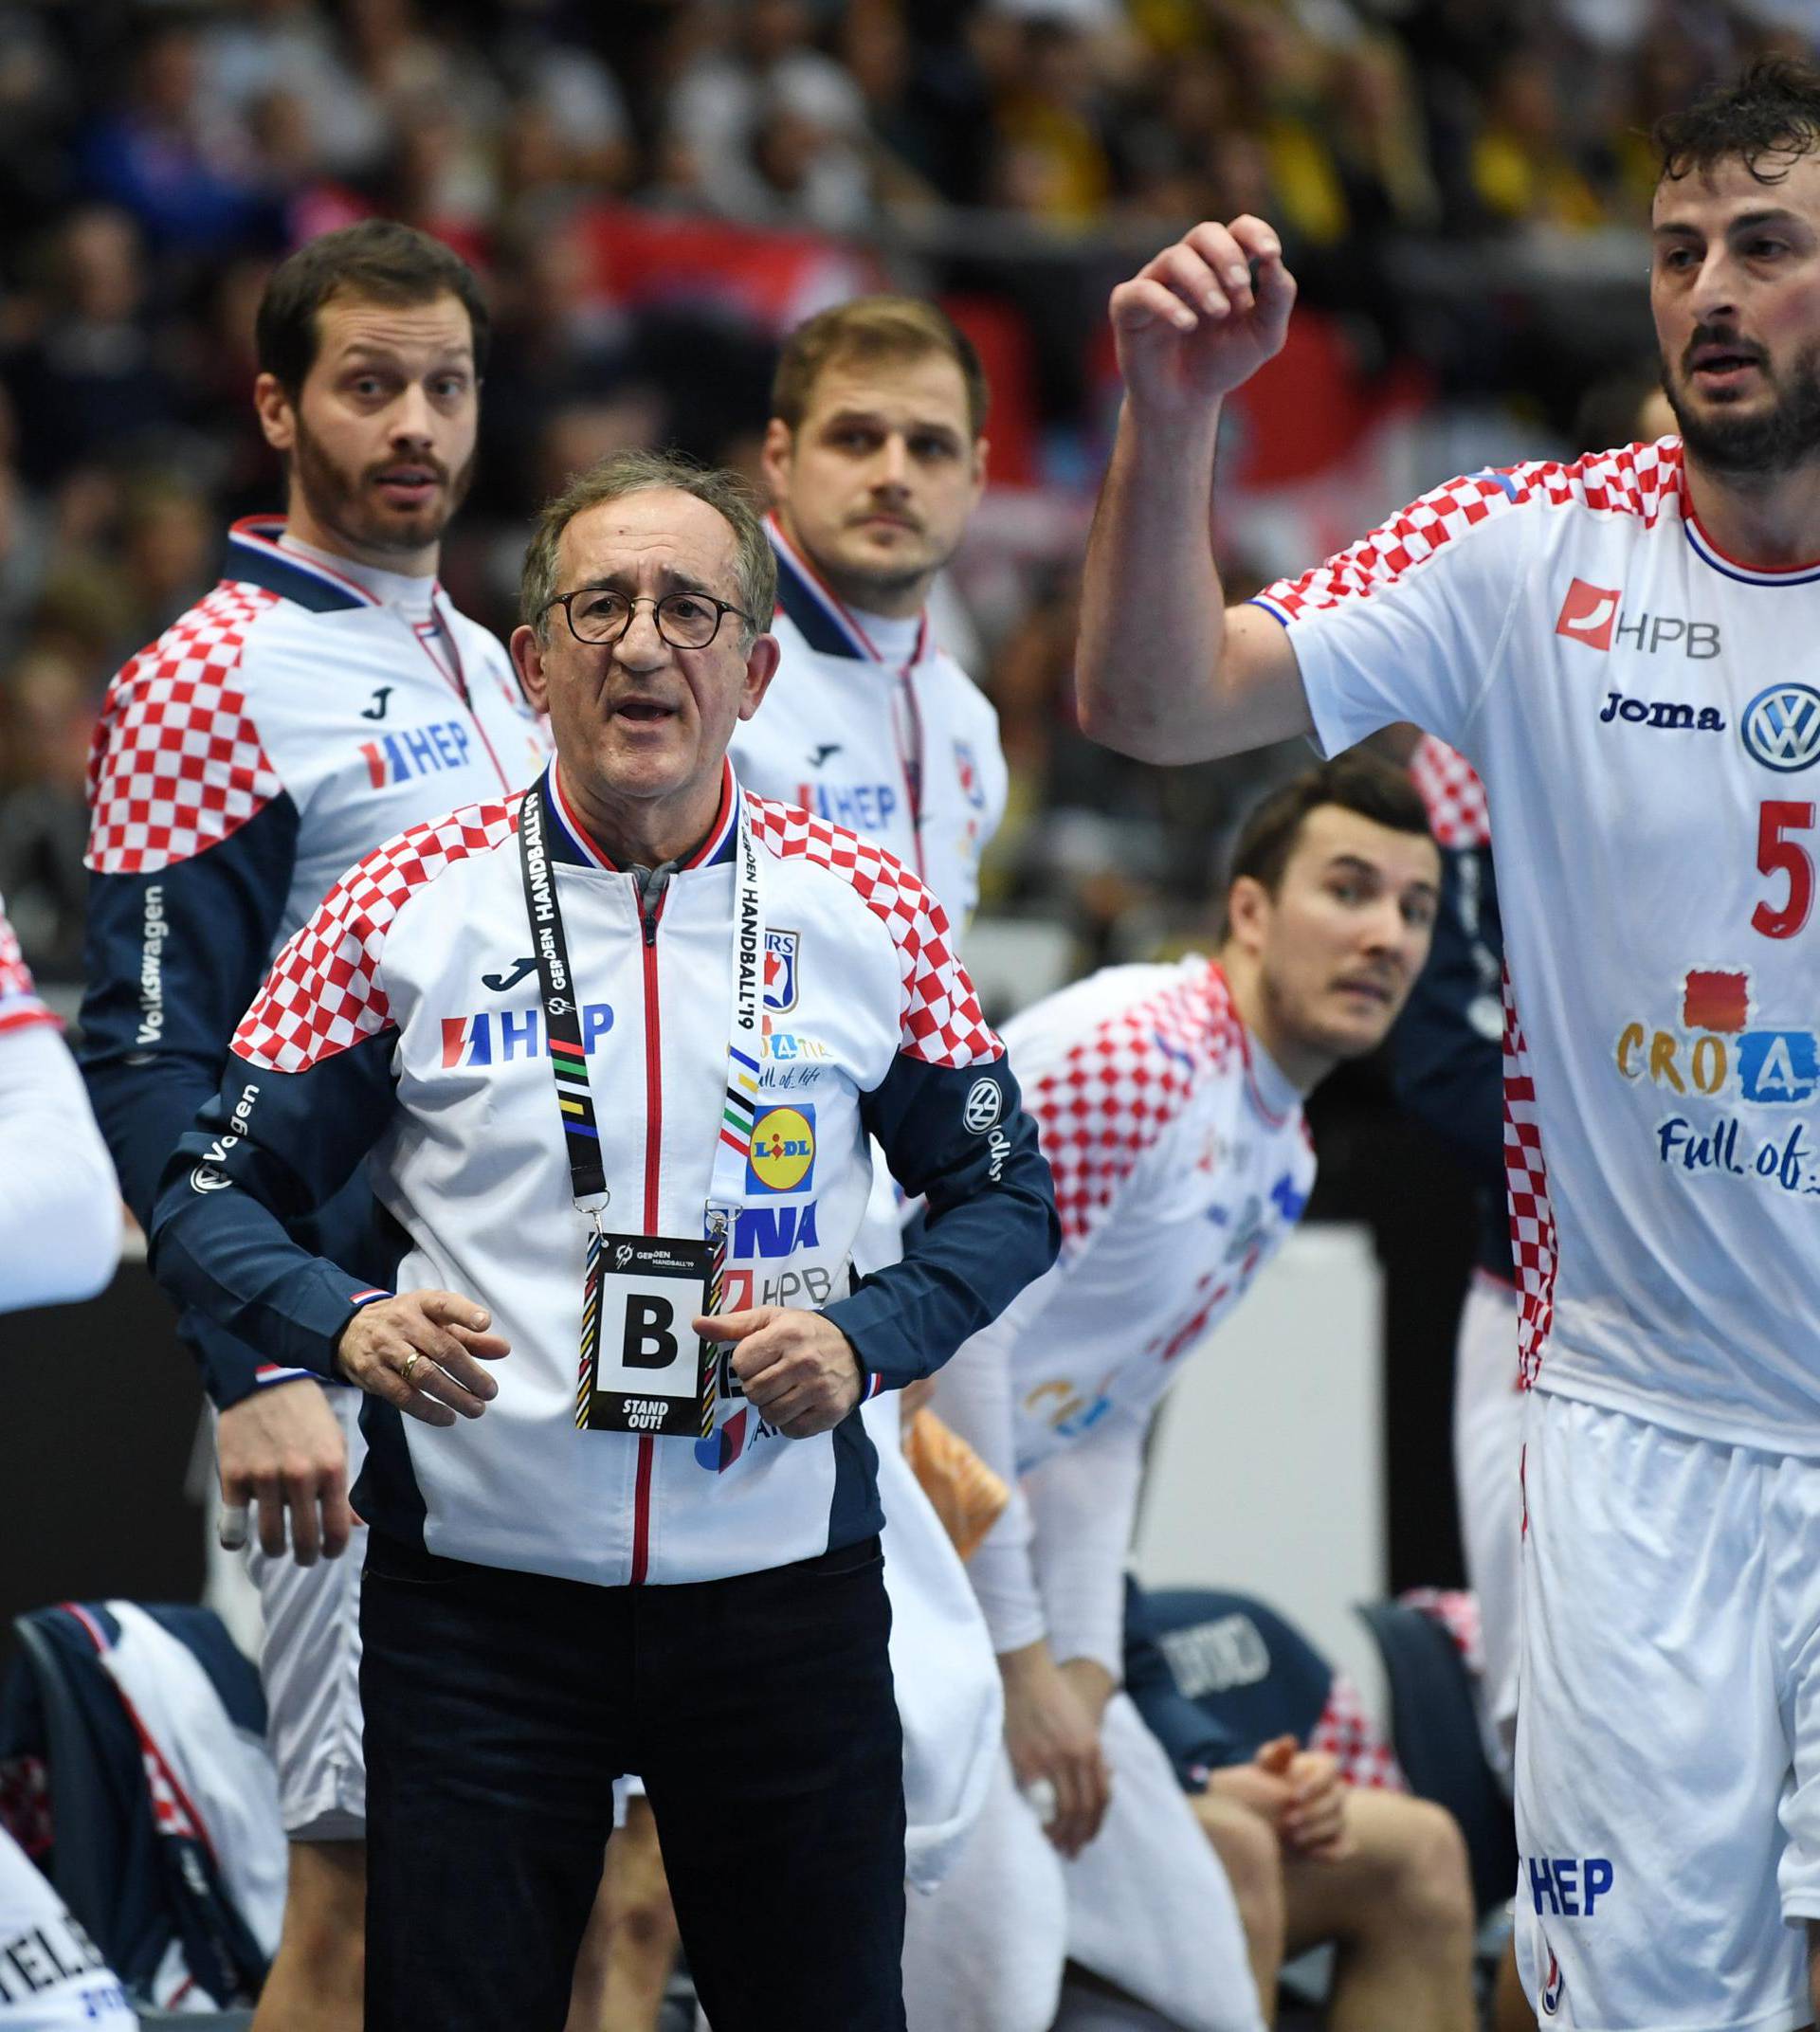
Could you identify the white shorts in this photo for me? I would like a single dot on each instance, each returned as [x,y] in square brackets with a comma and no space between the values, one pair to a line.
[1668,1736]
[310,1665]
[1487,1460]
[1146,1905]
[52,1977]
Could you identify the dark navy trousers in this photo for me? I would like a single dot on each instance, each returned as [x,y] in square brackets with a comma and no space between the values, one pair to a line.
[499,1708]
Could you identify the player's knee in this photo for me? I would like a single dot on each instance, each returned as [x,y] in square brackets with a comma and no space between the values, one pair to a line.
[1431,1881]
[645,1924]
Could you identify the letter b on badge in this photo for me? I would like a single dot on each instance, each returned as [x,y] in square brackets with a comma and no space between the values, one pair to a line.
[649,1343]
[647,1377]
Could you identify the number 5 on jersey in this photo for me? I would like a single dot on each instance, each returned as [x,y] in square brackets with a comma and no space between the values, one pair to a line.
[1777,854]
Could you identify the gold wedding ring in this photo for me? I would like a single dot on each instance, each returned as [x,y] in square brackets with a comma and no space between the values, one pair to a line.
[411,1361]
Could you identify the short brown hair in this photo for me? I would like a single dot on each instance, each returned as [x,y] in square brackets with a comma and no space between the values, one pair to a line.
[1770,108]
[1355,781]
[379,260]
[641,472]
[873,328]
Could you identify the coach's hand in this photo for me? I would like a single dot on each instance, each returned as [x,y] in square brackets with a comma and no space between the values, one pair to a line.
[798,1369]
[422,1351]
[1190,325]
[282,1448]
[1052,1736]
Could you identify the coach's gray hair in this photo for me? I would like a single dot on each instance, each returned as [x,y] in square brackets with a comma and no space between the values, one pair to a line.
[641,472]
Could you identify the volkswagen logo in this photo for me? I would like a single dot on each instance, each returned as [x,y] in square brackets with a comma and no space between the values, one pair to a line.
[982,1106]
[1781,727]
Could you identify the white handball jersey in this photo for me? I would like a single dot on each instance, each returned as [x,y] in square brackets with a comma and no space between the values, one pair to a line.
[52,1975]
[890,739]
[1646,715]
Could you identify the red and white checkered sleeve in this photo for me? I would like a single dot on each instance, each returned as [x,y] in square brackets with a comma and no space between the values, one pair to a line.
[940,1019]
[1459,814]
[1409,623]
[176,763]
[18,1003]
[325,991]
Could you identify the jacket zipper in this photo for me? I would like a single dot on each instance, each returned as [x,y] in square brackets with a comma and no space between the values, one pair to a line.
[653,1138]
[457,682]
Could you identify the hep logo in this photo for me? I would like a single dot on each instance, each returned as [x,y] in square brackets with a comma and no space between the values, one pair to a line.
[1588,614]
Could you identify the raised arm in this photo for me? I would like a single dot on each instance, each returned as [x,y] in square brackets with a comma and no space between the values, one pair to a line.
[1164,671]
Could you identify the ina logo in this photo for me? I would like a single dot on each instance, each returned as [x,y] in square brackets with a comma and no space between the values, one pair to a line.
[1588,614]
[783,1150]
[1781,727]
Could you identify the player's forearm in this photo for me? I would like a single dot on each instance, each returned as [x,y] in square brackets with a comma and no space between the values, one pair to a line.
[1153,610]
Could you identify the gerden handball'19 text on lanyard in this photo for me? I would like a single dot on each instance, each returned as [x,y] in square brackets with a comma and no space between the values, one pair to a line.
[639,1292]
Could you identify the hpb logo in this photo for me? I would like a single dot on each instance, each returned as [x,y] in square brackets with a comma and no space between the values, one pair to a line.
[1588,614]
[783,1150]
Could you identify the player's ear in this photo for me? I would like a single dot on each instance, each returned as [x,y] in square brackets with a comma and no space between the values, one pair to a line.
[773,458]
[527,659]
[1247,913]
[761,666]
[276,413]
[982,452]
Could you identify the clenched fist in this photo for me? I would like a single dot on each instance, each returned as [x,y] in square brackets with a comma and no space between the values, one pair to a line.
[798,1369]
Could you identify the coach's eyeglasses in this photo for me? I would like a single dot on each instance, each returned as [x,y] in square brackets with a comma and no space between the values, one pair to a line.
[597,614]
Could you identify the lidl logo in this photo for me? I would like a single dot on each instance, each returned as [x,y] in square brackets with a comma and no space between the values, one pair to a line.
[1588,614]
[780,969]
[783,1150]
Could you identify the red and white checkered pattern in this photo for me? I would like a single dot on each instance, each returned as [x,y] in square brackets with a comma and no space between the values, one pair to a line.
[941,1020]
[322,994]
[1121,1086]
[18,1003]
[1347,1733]
[176,763]
[1456,1609]
[1640,480]
[1532,1252]
[1458,813]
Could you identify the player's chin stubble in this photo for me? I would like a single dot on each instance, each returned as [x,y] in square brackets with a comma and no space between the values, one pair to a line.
[341,503]
[1763,446]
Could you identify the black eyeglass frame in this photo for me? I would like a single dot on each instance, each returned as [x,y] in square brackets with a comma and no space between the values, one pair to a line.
[633,602]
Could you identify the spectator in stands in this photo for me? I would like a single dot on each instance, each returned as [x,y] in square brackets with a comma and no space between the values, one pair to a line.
[165,155]
[89,378]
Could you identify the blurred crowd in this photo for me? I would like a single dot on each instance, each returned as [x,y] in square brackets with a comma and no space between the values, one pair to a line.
[654,190]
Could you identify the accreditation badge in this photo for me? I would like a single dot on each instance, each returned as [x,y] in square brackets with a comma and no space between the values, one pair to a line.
[640,1358]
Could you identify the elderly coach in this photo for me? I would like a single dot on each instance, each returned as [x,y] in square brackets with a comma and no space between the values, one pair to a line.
[611,1050]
